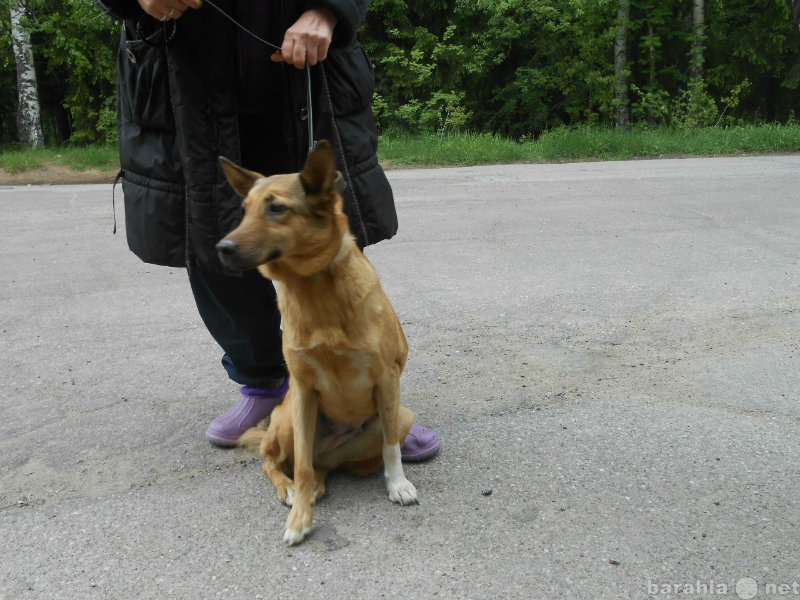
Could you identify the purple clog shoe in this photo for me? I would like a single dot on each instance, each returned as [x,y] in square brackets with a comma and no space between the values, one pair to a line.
[253,405]
[421,443]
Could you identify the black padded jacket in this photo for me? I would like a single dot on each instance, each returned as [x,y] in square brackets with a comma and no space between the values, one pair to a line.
[177,113]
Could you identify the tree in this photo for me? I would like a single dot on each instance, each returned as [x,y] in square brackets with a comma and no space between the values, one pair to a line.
[698,22]
[77,51]
[29,119]
[751,59]
[621,64]
[510,67]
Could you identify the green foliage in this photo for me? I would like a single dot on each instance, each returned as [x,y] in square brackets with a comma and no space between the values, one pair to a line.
[515,68]
[78,54]
[650,105]
[695,107]
[420,68]
[73,43]
[518,67]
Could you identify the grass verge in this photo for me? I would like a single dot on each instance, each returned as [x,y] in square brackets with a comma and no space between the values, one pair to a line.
[103,158]
[432,150]
[584,143]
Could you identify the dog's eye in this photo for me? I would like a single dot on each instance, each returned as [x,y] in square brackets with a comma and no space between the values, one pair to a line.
[276,209]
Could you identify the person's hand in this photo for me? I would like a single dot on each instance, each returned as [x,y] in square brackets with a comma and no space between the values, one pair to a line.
[308,39]
[164,10]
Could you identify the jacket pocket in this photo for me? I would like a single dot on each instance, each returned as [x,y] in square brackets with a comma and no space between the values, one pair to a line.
[155,219]
[351,80]
[143,78]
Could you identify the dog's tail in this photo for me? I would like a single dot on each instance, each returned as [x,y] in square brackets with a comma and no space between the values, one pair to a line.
[251,439]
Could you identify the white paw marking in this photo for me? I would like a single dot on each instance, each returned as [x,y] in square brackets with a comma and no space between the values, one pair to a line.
[289,497]
[402,492]
[292,538]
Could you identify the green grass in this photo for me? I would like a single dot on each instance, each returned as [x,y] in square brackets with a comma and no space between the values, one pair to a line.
[607,144]
[585,143]
[449,150]
[558,145]
[77,159]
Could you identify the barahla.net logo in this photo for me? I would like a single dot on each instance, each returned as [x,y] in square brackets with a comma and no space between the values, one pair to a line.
[745,588]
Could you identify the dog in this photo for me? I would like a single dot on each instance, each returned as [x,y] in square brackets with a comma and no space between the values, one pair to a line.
[342,341]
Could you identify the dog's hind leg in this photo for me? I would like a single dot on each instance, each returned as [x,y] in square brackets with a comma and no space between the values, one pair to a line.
[320,475]
[277,449]
[283,485]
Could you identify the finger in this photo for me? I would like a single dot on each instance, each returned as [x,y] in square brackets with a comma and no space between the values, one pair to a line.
[165,11]
[181,6]
[312,54]
[151,8]
[287,48]
[175,10]
[317,50]
[293,52]
[299,56]
[321,52]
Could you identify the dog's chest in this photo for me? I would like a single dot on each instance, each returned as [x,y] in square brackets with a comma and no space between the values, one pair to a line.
[341,377]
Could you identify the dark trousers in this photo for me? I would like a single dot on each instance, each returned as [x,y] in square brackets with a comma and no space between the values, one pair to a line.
[241,312]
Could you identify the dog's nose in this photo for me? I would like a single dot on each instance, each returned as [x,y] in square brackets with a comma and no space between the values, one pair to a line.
[227,248]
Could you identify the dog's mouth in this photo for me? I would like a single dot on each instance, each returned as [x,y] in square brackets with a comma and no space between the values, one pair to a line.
[233,256]
[274,255]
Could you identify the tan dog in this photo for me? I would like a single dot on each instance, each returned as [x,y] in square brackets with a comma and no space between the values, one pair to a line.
[342,340]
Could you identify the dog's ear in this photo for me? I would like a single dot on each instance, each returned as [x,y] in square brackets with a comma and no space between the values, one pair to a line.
[319,173]
[339,183]
[241,179]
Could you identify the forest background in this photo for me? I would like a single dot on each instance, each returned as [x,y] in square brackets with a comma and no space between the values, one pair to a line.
[512,68]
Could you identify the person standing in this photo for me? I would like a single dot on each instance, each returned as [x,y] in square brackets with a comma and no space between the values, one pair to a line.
[192,86]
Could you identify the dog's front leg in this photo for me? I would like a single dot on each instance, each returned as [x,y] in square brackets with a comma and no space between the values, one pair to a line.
[387,396]
[304,422]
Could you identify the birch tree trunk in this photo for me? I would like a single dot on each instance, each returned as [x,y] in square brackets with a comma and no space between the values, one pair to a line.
[698,47]
[29,119]
[621,64]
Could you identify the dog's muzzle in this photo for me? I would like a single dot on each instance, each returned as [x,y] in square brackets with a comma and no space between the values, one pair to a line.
[230,254]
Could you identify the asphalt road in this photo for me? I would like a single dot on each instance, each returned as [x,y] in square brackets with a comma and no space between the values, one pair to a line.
[609,351]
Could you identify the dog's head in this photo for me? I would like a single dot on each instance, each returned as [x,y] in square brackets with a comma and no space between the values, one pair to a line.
[292,222]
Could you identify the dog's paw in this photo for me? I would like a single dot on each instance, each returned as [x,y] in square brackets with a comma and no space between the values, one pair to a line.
[292,538]
[402,492]
[298,525]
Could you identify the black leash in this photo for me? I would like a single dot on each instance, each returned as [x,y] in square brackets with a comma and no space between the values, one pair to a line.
[311,142]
